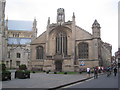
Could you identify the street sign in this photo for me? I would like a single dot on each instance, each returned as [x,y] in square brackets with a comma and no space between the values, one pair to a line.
[82,63]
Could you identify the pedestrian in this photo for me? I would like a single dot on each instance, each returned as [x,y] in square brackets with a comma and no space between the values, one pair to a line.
[88,72]
[108,71]
[115,71]
[102,69]
[80,70]
[99,69]
[95,73]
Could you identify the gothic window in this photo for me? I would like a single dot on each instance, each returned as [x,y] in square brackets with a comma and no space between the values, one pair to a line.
[60,17]
[17,63]
[15,34]
[18,55]
[83,50]
[61,43]
[39,52]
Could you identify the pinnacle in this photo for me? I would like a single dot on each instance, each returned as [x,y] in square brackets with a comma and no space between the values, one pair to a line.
[73,15]
[96,23]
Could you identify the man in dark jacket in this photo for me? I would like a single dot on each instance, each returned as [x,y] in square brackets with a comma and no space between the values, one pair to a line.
[95,73]
[115,71]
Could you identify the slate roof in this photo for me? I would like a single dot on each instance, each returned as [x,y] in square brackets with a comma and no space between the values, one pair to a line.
[20,25]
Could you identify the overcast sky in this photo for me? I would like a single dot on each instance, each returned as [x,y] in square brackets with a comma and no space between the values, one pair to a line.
[86,11]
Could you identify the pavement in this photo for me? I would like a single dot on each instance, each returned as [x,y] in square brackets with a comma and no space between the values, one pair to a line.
[43,80]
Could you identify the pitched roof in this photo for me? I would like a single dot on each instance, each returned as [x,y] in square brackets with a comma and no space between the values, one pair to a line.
[20,25]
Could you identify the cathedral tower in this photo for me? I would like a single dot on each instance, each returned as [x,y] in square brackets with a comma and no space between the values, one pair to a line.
[60,16]
[2,30]
[2,8]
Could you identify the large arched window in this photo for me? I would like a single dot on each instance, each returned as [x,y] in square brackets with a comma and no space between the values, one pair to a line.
[83,50]
[39,52]
[61,43]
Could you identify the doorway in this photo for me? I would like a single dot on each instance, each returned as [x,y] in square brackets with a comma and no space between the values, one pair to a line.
[58,65]
[10,64]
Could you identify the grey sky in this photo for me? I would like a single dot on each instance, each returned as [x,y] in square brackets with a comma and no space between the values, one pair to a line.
[86,11]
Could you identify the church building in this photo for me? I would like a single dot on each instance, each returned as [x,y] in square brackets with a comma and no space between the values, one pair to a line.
[15,39]
[64,46]
[19,36]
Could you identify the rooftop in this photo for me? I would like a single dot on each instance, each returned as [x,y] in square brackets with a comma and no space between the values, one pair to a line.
[20,25]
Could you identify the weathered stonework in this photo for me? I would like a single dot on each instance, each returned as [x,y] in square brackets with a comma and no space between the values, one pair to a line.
[75,35]
[20,47]
[60,43]
[2,31]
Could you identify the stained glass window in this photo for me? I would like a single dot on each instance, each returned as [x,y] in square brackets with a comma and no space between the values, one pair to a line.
[39,52]
[83,50]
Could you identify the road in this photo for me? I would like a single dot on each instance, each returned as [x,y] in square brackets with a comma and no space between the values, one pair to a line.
[102,82]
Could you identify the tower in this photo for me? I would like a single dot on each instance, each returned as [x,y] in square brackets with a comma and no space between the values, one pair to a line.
[2,30]
[73,35]
[34,29]
[74,62]
[2,8]
[2,14]
[47,36]
[96,40]
[96,29]
[60,16]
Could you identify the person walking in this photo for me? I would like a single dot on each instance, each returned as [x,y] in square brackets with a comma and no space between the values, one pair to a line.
[108,71]
[88,72]
[95,73]
[115,71]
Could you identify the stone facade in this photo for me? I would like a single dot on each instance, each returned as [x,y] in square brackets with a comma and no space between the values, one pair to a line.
[67,47]
[64,46]
[117,57]
[15,39]
[18,44]
[3,44]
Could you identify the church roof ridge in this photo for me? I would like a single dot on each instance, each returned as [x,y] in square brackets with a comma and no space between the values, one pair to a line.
[38,37]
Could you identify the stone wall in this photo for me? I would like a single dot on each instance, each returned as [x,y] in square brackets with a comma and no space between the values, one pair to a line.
[24,55]
[68,65]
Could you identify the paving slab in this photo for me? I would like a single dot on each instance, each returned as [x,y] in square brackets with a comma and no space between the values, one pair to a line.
[43,80]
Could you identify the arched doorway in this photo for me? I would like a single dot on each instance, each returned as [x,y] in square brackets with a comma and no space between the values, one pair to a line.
[58,65]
